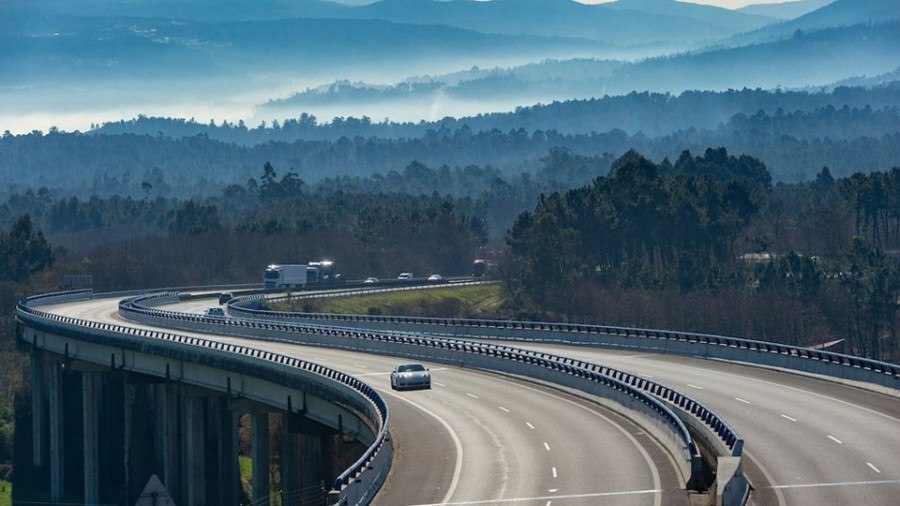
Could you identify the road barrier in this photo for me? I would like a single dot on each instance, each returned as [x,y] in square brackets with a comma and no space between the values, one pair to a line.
[825,363]
[631,395]
[357,485]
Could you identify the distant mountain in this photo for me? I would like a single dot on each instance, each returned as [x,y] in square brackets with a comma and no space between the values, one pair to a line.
[785,10]
[634,22]
[814,59]
[99,49]
[733,19]
[837,13]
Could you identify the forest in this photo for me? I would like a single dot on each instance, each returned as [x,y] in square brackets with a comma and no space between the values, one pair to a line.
[794,133]
[705,243]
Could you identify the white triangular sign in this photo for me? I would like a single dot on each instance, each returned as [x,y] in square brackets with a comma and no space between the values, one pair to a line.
[155,494]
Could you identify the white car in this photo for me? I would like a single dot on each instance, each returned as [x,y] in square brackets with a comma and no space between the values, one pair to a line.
[410,375]
[371,281]
[435,278]
[405,276]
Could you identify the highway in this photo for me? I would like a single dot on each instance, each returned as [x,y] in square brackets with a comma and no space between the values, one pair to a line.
[480,438]
[807,441]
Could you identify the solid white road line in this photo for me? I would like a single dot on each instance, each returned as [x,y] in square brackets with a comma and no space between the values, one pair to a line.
[544,498]
[457,469]
[840,484]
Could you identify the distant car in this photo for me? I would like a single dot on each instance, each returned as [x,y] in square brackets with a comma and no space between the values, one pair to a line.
[410,375]
[215,311]
[405,276]
[435,277]
[225,297]
[371,281]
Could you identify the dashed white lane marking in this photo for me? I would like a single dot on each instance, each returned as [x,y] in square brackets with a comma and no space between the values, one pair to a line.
[548,503]
[360,366]
[745,401]
[529,425]
[554,473]
[553,490]
[545,498]
[547,446]
[698,387]
[788,418]
[472,395]
[840,484]
[645,375]
[503,409]
[836,440]
[320,359]
[439,384]
[873,467]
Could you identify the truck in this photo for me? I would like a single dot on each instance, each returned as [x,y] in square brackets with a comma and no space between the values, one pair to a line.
[286,276]
[292,276]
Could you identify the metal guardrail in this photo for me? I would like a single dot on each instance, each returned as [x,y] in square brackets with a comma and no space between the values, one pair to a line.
[882,373]
[355,481]
[570,372]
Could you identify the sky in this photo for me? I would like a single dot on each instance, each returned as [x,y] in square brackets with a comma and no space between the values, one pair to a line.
[728,4]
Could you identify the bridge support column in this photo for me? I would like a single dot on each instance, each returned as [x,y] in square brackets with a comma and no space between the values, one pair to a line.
[195,465]
[90,397]
[311,462]
[38,411]
[227,440]
[57,444]
[290,459]
[170,440]
[259,448]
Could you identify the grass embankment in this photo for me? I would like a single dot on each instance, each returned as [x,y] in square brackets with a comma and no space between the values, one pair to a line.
[5,493]
[479,301]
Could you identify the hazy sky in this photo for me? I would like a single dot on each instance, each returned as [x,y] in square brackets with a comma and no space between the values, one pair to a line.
[728,4]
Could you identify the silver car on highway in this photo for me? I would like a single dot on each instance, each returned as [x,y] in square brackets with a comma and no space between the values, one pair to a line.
[410,375]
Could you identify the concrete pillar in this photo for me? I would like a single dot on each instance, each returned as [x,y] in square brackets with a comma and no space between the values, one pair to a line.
[312,461]
[259,449]
[195,469]
[128,460]
[57,455]
[90,396]
[38,412]
[290,459]
[227,439]
[170,443]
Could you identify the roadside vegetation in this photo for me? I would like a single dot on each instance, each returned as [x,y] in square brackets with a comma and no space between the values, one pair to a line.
[480,301]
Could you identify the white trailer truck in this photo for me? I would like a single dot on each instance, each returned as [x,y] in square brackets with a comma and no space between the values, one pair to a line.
[283,277]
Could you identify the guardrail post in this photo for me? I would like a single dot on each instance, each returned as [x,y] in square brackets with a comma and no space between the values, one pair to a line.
[259,449]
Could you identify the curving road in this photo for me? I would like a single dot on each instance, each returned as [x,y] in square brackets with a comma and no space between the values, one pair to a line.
[480,438]
[807,441]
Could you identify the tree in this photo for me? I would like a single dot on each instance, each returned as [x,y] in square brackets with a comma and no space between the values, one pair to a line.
[23,251]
